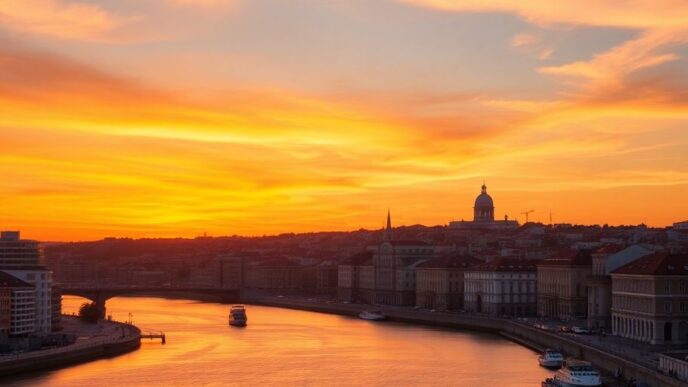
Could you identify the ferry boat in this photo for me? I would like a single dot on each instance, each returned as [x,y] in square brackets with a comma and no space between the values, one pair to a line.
[551,359]
[374,315]
[577,373]
[237,316]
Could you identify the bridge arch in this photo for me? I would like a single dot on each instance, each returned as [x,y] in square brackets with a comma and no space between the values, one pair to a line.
[100,295]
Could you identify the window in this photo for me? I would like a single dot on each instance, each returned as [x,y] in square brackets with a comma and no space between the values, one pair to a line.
[667,306]
[682,307]
[667,288]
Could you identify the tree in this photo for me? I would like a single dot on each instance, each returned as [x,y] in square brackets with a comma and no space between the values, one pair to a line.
[89,312]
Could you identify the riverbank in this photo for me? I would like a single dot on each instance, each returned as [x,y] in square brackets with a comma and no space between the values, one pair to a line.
[514,330]
[95,341]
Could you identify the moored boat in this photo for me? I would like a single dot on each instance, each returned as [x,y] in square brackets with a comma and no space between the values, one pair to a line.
[237,316]
[374,315]
[577,373]
[551,359]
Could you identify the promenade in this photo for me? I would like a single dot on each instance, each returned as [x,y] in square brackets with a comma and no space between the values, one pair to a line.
[94,341]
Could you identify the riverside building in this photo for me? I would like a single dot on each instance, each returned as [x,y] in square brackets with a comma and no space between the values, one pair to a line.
[21,259]
[561,291]
[19,310]
[605,260]
[394,264]
[650,299]
[502,287]
[355,278]
[439,281]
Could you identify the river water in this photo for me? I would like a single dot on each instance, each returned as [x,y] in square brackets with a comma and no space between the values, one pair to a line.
[282,347]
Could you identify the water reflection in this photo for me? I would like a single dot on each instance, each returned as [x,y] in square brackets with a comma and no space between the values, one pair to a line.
[282,347]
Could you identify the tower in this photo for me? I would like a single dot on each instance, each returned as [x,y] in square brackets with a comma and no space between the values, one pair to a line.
[388,229]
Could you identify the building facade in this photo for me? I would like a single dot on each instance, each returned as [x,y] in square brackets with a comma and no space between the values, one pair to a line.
[561,291]
[5,311]
[281,275]
[650,299]
[231,271]
[599,284]
[349,277]
[505,286]
[394,264]
[439,281]
[19,310]
[16,252]
[41,280]
[22,260]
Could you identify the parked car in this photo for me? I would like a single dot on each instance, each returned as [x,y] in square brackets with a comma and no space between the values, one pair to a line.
[544,327]
[580,330]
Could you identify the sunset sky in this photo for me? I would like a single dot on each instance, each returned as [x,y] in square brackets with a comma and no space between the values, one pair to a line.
[162,118]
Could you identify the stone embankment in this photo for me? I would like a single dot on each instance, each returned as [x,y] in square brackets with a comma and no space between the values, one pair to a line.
[111,339]
[512,329]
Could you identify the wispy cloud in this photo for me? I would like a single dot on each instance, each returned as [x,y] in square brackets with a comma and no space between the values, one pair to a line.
[61,19]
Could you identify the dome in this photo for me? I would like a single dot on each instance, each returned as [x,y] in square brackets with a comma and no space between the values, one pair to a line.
[484,207]
[484,200]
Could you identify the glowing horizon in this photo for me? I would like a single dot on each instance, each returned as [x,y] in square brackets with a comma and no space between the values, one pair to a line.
[165,118]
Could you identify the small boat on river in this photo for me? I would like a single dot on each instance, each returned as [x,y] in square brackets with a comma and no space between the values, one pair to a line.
[577,373]
[237,316]
[551,359]
[373,315]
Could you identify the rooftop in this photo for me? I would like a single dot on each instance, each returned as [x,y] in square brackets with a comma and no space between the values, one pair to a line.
[659,263]
[609,249]
[451,261]
[9,281]
[569,258]
[507,265]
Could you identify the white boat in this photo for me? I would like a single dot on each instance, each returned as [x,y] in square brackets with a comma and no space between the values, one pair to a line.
[374,315]
[237,316]
[577,373]
[551,359]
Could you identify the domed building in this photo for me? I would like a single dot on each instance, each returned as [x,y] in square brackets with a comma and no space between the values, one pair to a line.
[483,211]
[483,215]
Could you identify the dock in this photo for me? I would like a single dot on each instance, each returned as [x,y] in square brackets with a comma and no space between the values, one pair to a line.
[154,335]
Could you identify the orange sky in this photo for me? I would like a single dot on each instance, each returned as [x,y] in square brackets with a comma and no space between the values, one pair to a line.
[179,117]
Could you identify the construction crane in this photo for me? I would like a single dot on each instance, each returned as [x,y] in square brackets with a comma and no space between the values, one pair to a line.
[526,214]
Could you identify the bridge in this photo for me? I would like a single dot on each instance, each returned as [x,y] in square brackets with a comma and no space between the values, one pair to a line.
[100,294]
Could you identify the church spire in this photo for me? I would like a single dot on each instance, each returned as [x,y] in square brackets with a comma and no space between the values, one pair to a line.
[388,229]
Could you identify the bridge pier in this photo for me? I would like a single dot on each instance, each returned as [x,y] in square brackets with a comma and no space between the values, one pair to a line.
[99,300]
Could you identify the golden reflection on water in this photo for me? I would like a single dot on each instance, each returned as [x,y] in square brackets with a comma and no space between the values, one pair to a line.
[282,347]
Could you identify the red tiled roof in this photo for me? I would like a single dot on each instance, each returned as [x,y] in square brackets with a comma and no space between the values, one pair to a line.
[569,258]
[451,261]
[660,263]
[507,265]
[609,249]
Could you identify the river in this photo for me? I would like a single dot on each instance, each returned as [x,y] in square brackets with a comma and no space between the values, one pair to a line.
[282,347]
